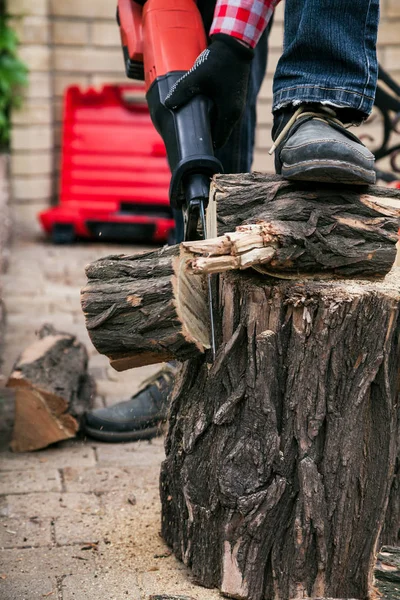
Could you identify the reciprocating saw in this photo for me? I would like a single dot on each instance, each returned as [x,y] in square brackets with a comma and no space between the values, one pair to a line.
[161,40]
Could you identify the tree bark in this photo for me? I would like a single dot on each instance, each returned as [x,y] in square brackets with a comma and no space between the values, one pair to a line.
[280,456]
[142,309]
[391,530]
[52,390]
[151,308]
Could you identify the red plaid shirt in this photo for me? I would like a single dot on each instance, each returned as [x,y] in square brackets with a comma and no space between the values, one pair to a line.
[243,19]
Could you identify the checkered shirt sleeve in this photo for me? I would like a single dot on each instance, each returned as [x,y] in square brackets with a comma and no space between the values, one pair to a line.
[243,19]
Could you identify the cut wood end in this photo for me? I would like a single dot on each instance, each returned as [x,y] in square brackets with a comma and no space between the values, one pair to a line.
[387,206]
[190,301]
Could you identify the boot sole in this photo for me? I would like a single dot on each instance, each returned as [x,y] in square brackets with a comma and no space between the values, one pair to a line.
[124,436]
[329,172]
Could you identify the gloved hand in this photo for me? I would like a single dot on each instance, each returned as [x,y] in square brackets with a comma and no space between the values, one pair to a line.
[221,73]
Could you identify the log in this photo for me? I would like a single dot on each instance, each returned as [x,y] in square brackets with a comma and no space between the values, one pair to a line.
[52,390]
[280,456]
[343,230]
[142,309]
[153,307]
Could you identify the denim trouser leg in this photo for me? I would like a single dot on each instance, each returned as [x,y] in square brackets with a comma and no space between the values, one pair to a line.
[237,154]
[329,54]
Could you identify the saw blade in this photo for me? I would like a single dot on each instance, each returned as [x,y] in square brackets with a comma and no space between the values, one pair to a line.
[210,298]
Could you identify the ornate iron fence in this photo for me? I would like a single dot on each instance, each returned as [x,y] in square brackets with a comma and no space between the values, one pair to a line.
[387,103]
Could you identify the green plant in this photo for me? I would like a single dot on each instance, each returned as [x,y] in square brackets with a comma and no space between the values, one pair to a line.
[13,75]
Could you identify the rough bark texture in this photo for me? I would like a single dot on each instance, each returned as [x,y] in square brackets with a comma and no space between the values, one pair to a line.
[151,308]
[139,310]
[348,230]
[52,390]
[391,530]
[280,456]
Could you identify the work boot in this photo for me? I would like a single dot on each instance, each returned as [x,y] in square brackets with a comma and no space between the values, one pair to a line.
[138,418]
[312,144]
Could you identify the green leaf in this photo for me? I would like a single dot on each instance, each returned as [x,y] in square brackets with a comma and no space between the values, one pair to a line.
[13,76]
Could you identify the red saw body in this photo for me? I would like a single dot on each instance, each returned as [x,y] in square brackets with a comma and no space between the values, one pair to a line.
[161,40]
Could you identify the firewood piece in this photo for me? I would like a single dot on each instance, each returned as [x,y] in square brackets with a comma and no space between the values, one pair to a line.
[280,456]
[143,309]
[343,230]
[52,390]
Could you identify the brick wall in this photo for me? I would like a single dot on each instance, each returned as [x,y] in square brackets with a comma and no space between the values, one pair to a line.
[77,42]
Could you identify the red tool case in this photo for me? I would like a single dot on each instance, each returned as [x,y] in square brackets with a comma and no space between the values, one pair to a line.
[114,181]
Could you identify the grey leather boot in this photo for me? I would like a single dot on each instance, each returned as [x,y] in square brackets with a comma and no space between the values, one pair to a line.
[312,144]
[138,418]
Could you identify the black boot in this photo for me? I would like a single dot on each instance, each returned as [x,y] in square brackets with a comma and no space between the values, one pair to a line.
[312,144]
[139,418]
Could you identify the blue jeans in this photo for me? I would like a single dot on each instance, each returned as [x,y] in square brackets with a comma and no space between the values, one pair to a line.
[329,54]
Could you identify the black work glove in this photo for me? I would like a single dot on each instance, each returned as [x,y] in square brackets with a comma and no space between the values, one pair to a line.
[221,73]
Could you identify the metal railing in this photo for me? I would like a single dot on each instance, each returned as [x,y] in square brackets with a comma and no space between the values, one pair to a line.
[387,103]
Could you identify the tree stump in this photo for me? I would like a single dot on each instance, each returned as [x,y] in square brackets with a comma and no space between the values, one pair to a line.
[52,390]
[280,454]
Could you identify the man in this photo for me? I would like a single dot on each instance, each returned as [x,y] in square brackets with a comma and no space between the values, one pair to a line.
[325,78]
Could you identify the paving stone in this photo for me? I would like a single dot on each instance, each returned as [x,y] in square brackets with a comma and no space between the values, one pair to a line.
[130,503]
[50,504]
[4,507]
[83,529]
[25,587]
[141,454]
[59,457]
[99,480]
[32,574]
[66,560]
[27,532]
[108,586]
[17,482]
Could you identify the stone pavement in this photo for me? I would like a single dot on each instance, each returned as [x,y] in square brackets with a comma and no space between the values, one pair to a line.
[81,520]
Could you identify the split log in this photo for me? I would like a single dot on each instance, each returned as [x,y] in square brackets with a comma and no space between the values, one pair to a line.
[52,390]
[145,309]
[142,309]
